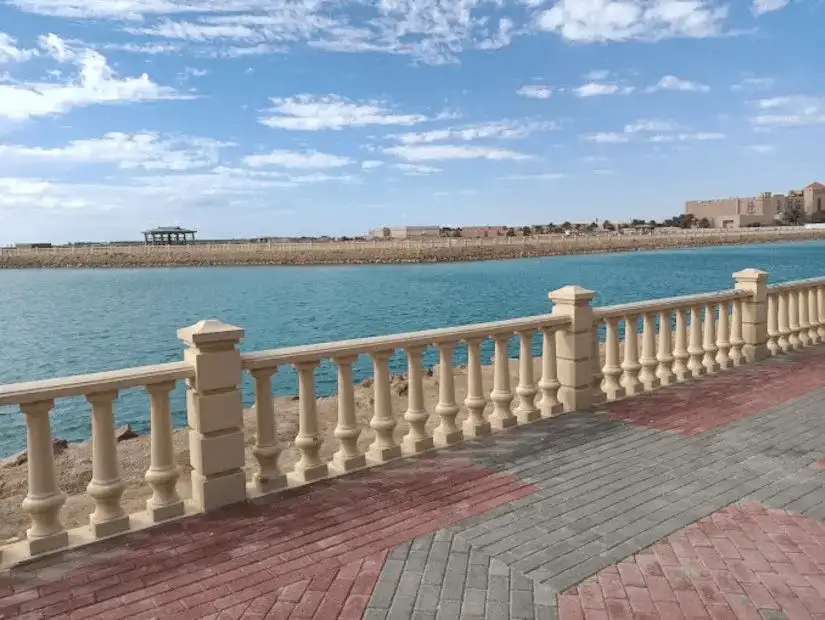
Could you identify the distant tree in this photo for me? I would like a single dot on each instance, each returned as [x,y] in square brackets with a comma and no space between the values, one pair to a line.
[652,223]
[566,225]
[510,232]
[526,231]
[458,232]
[608,225]
[538,229]
[794,216]
[705,223]
[592,226]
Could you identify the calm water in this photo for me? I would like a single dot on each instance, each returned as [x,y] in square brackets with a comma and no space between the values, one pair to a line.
[55,323]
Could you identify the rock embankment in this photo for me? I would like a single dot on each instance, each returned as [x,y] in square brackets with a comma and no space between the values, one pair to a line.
[209,255]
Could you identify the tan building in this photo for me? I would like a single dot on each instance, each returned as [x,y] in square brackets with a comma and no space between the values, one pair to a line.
[404,232]
[474,232]
[762,210]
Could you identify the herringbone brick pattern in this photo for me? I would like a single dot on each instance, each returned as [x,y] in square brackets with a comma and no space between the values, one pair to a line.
[744,561]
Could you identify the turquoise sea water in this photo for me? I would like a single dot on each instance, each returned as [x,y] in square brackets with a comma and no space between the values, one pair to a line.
[59,322]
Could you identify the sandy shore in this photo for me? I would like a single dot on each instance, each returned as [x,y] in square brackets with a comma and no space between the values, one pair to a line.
[74,465]
[379,252]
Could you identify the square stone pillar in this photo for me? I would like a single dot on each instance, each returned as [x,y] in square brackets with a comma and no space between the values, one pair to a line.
[754,313]
[214,410]
[574,347]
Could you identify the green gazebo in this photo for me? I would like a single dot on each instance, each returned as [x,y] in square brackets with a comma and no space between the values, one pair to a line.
[168,235]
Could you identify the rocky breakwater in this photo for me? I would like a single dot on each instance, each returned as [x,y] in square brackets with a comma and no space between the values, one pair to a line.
[376,253]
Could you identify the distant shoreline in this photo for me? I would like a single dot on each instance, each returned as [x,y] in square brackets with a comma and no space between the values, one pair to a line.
[377,253]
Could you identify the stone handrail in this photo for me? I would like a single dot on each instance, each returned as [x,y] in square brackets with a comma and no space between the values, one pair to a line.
[681,338]
[93,383]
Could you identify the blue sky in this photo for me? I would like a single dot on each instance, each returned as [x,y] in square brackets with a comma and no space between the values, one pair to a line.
[290,117]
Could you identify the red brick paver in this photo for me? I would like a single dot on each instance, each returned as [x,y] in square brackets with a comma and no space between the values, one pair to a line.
[714,401]
[742,562]
[313,553]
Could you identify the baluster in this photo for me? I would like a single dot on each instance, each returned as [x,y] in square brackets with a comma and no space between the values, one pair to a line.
[416,440]
[447,432]
[163,473]
[266,449]
[820,302]
[695,350]
[501,396]
[526,411]
[784,322]
[105,487]
[709,340]
[736,339]
[347,431]
[475,425]
[612,370]
[549,382]
[648,359]
[804,325]
[383,448]
[664,354]
[44,499]
[813,317]
[793,319]
[596,357]
[308,441]
[773,325]
[723,345]
[680,352]
[630,365]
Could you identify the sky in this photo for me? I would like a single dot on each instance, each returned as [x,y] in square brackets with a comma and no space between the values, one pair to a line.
[307,117]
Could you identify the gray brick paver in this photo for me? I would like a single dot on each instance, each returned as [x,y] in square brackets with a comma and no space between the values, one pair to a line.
[606,489]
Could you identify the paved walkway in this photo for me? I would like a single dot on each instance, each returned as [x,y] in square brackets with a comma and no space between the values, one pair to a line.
[703,500]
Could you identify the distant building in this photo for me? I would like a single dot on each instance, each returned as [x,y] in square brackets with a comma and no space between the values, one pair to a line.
[168,235]
[404,232]
[762,210]
[474,232]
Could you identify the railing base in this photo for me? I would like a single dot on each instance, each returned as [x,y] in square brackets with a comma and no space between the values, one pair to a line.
[19,553]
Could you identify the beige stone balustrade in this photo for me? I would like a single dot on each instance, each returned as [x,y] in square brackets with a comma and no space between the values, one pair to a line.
[45,500]
[648,345]
[795,315]
[682,338]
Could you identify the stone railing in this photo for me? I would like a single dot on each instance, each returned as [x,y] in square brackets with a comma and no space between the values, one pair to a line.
[682,338]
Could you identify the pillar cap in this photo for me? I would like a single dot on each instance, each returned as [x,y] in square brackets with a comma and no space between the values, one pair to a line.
[209,331]
[751,275]
[572,294]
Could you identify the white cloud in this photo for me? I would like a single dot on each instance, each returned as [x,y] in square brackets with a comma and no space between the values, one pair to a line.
[650,125]
[313,113]
[671,82]
[545,176]
[294,159]
[371,163]
[790,111]
[95,83]
[504,130]
[535,91]
[147,151]
[754,83]
[762,149]
[768,6]
[607,137]
[431,31]
[687,137]
[600,21]
[416,169]
[595,89]
[9,52]
[448,151]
